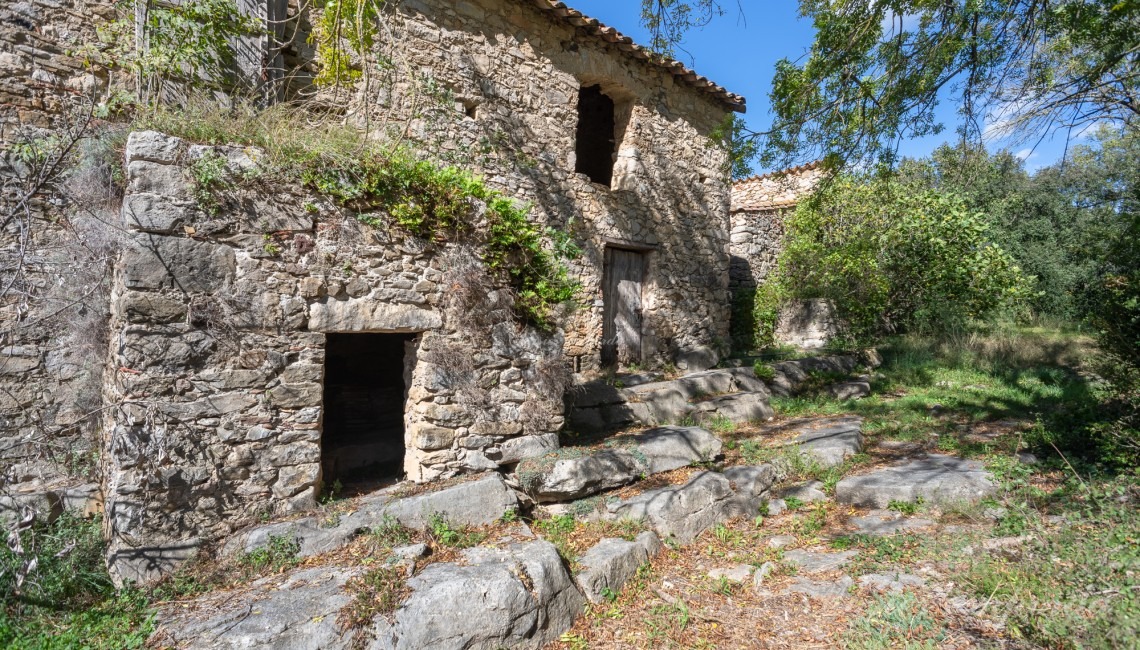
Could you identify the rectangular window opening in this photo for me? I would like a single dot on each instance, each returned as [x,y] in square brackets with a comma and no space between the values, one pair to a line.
[365,393]
[596,144]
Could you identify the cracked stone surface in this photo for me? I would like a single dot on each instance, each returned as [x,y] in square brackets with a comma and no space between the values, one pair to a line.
[297,612]
[831,440]
[611,562]
[473,503]
[818,561]
[840,588]
[660,449]
[936,478]
[806,492]
[890,581]
[878,523]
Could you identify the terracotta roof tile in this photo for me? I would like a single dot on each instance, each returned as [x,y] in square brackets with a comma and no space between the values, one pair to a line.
[624,43]
[779,189]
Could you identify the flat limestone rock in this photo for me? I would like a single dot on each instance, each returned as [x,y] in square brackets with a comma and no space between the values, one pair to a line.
[890,581]
[661,449]
[680,511]
[298,612]
[738,408]
[474,503]
[611,562]
[840,588]
[936,478]
[818,562]
[738,573]
[831,440]
[807,492]
[518,597]
[878,523]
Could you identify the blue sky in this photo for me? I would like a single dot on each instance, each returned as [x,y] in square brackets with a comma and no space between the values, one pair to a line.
[740,52]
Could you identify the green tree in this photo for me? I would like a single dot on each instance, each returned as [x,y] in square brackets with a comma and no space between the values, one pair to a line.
[877,70]
[893,258]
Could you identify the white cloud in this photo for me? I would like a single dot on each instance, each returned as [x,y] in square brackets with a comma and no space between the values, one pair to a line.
[1025,154]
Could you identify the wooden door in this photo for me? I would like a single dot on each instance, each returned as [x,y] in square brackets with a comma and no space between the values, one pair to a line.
[621,311]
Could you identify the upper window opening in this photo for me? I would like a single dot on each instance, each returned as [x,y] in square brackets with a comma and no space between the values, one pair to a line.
[597,135]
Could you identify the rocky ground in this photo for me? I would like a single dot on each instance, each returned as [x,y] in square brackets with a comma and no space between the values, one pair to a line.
[836,524]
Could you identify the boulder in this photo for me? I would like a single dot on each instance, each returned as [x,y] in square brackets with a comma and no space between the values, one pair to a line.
[298,612]
[849,390]
[661,449]
[671,447]
[474,503]
[517,597]
[738,408]
[751,485]
[738,573]
[574,478]
[152,146]
[935,479]
[807,492]
[681,512]
[611,562]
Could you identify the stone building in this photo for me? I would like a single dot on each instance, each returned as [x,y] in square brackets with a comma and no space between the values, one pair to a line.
[760,205]
[250,356]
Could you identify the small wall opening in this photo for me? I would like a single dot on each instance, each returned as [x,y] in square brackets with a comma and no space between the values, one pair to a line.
[596,143]
[365,394]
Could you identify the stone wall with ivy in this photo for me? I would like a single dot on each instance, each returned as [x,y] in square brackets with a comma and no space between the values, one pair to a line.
[218,348]
[492,86]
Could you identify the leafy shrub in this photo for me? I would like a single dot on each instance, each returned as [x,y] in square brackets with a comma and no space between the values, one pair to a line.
[277,555]
[896,259]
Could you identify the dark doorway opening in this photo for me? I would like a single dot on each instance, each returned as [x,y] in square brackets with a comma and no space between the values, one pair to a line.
[364,397]
[597,135]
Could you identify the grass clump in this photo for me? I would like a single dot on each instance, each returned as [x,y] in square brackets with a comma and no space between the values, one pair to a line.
[443,533]
[895,621]
[278,554]
[57,592]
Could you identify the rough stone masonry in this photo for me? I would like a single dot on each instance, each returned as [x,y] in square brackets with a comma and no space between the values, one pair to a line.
[213,402]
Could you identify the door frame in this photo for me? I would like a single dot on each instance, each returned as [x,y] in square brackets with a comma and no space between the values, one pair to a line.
[630,247]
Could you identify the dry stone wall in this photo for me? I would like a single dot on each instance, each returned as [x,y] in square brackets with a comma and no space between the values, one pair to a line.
[493,86]
[218,350]
[42,66]
[757,239]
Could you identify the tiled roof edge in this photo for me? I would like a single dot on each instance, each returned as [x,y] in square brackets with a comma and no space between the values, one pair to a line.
[781,172]
[624,43]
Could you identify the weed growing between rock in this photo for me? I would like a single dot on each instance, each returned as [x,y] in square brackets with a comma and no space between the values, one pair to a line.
[55,591]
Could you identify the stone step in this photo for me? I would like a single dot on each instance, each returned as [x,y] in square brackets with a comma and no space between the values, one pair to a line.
[474,503]
[937,478]
[682,512]
[557,477]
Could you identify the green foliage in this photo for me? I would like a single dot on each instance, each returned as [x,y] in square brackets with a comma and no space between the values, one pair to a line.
[211,178]
[391,533]
[278,554]
[893,259]
[191,42]
[351,23]
[754,312]
[375,182]
[732,134]
[440,204]
[905,507]
[895,621]
[67,599]
[763,371]
[876,72]
[668,20]
[445,534]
